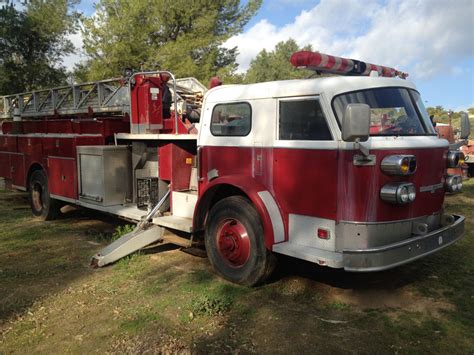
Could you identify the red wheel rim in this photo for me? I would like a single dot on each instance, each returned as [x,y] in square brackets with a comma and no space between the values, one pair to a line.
[233,242]
[36,197]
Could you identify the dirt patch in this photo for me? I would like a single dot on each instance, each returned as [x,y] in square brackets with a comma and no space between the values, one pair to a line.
[403,299]
[154,343]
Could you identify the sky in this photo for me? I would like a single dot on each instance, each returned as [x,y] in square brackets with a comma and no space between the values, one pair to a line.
[432,40]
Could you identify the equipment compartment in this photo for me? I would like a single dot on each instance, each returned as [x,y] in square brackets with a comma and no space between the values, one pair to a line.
[104,174]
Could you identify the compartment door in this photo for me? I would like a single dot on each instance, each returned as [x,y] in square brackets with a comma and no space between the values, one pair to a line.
[62,177]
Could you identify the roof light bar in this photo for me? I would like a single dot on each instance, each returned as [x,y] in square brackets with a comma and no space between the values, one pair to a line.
[338,65]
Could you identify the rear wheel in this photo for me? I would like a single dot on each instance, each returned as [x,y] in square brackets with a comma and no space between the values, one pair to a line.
[235,244]
[42,205]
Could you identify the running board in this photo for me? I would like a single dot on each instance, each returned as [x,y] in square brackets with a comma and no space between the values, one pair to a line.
[178,223]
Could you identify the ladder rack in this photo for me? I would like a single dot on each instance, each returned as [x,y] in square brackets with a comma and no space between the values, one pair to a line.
[106,96]
[111,96]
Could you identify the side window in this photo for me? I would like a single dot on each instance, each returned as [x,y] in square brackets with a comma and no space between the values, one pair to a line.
[303,120]
[232,119]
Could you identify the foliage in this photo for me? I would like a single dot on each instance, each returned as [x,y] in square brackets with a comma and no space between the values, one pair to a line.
[442,115]
[211,305]
[181,36]
[122,230]
[33,40]
[275,65]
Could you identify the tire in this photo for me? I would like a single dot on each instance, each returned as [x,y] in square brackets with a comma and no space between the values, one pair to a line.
[235,242]
[42,205]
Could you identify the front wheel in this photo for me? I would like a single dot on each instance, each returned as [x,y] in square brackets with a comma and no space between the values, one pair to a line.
[42,205]
[235,242]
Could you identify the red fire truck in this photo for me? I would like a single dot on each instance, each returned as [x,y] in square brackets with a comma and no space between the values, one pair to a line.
[344,171]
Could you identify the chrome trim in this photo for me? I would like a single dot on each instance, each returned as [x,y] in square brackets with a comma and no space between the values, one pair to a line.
[392,164]
[360,160]
[392,192]
[362,235]
[63,158]
[389,222]
[275,216]
[431,188]
[396,254]
[454,156]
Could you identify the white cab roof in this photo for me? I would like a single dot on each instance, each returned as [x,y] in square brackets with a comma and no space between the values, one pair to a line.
[330,86]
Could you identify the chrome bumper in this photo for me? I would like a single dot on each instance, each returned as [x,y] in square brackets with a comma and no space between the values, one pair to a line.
[392,255]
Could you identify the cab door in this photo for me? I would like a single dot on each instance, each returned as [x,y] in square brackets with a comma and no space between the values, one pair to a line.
[305,165]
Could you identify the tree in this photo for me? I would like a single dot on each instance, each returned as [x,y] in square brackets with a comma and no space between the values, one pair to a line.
[275,65]
[33,40]
[182,36]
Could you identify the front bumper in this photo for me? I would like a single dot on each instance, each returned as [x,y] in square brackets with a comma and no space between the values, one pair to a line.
[392,255]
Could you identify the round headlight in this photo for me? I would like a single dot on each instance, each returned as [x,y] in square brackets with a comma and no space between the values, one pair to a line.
[398,193]
[411,193]
[403,194]
[459,183]
[453,183]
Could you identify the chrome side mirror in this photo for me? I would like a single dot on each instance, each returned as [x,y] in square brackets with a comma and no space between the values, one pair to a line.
[465,126]
[356,123]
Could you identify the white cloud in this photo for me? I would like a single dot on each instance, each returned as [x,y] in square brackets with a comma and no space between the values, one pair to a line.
[423,37]
[70,60]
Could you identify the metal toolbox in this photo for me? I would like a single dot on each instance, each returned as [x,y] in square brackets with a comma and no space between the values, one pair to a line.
[105,176]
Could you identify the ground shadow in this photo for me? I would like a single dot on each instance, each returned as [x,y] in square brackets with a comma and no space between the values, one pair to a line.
[389,279]
[41,258]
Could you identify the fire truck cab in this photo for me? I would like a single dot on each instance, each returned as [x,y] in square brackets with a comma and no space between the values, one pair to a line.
[345,172]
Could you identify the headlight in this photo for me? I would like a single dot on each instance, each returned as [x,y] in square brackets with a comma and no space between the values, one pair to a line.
[455,158]
[398,193]
[399,164]
[453,183]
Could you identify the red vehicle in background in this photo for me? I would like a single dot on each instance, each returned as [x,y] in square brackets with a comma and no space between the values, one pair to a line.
[465,169]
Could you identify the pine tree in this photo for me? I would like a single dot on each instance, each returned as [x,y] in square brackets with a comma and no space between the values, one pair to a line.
[182,36]
[275,65]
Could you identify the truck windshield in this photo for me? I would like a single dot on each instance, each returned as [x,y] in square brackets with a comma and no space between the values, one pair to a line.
[394,111]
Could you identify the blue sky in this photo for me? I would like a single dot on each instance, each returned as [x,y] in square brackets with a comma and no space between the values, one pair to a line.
[432,40]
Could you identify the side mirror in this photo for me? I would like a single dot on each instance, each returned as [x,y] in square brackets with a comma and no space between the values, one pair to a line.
[465,125]
[356,123]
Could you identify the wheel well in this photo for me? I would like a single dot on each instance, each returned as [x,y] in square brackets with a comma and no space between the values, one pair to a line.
[212,196]
[34,167]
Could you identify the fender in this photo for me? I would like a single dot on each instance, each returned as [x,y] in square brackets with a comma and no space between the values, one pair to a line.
[260,197]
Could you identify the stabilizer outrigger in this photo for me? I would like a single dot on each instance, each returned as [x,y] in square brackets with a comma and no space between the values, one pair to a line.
[144,234]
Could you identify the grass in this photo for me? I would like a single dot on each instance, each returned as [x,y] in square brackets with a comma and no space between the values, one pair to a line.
[169,301]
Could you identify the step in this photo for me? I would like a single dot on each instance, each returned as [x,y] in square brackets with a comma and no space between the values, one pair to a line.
[178,223]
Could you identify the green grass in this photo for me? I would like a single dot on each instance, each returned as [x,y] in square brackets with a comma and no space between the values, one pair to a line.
[50,298]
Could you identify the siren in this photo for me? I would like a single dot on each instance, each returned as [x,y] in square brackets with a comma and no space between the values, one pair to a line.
[337,65]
